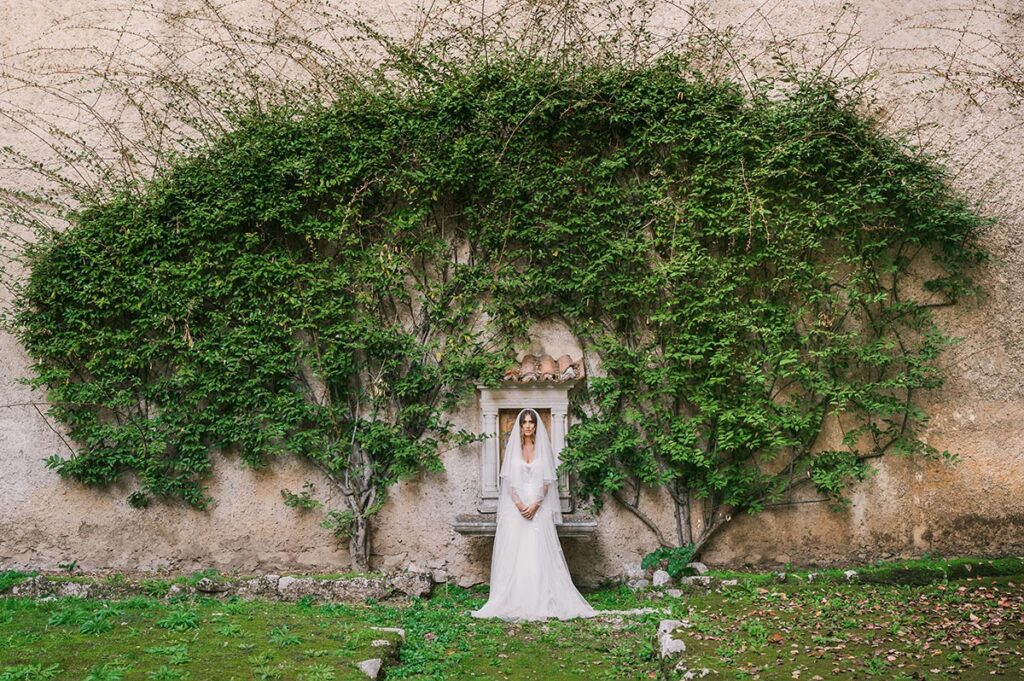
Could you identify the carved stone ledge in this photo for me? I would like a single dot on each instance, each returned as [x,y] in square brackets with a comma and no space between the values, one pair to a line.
[484,525]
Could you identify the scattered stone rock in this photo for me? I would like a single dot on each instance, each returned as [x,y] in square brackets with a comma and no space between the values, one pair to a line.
[850,575]
[661,578]
[350,590]
[265,586]
[77,590]
[730,582]
[294,588]
[208,586]
[360,588]
[640,583]
[33,588]
[811,576]
[701,580]
[634,611]
[781,577]
[694,674]
[371,667]
[439,576]
[413,583]
[669,645]
[391,630]
[388,651]
[699,568]
[674,593]
[274,587]
[635,573]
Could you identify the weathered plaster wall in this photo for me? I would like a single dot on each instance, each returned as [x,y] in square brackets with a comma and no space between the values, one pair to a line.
[909,508]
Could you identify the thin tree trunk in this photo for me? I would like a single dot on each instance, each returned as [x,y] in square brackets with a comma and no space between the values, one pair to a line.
[681,500]
[707,534]
[679,520]
[359,544]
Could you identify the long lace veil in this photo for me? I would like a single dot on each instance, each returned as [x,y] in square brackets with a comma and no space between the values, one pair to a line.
[511,474]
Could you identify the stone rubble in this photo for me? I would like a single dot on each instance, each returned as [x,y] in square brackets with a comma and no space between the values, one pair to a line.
[668,645]
[371,667]
[670,648]
[271,587]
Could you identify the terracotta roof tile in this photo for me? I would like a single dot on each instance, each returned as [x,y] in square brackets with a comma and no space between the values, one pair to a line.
[545,368]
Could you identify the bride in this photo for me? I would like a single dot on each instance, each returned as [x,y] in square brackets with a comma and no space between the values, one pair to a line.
[529,577]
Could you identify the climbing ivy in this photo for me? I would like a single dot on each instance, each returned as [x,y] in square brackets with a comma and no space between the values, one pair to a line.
[331,280]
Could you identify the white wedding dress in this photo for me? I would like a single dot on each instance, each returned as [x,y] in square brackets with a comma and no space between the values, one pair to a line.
[529,577]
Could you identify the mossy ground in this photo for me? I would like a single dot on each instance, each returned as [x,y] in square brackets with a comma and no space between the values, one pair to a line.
[960,628]
[195,639]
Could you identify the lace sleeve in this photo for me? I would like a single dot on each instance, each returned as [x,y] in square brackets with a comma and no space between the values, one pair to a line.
[518,501]
[515,497]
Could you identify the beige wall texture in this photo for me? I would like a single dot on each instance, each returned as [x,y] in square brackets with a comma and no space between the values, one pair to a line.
[919,53]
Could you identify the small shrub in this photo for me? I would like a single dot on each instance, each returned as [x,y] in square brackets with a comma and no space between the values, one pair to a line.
[96,625]
[30,672]
[282,636]
[180,620]
[106,672]
[672,559]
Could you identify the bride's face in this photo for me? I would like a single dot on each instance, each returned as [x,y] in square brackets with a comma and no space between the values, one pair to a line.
[528,425]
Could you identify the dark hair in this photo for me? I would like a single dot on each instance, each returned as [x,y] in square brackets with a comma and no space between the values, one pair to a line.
[532,414]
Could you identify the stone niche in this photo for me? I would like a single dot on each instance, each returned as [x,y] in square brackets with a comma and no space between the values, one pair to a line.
[541,383]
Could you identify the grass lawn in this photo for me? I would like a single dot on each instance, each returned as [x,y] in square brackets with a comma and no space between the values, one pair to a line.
[961,629]
[968,628]
[198,640]
[964,629]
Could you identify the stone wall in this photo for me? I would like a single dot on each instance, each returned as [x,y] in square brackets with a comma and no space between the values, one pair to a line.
[909,508]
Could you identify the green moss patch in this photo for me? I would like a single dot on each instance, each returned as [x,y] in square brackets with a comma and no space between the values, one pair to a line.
[965,630]
[141,638]
[918,571]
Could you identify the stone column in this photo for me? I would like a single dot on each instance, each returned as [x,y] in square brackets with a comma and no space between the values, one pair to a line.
[489,465]
[558,429]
